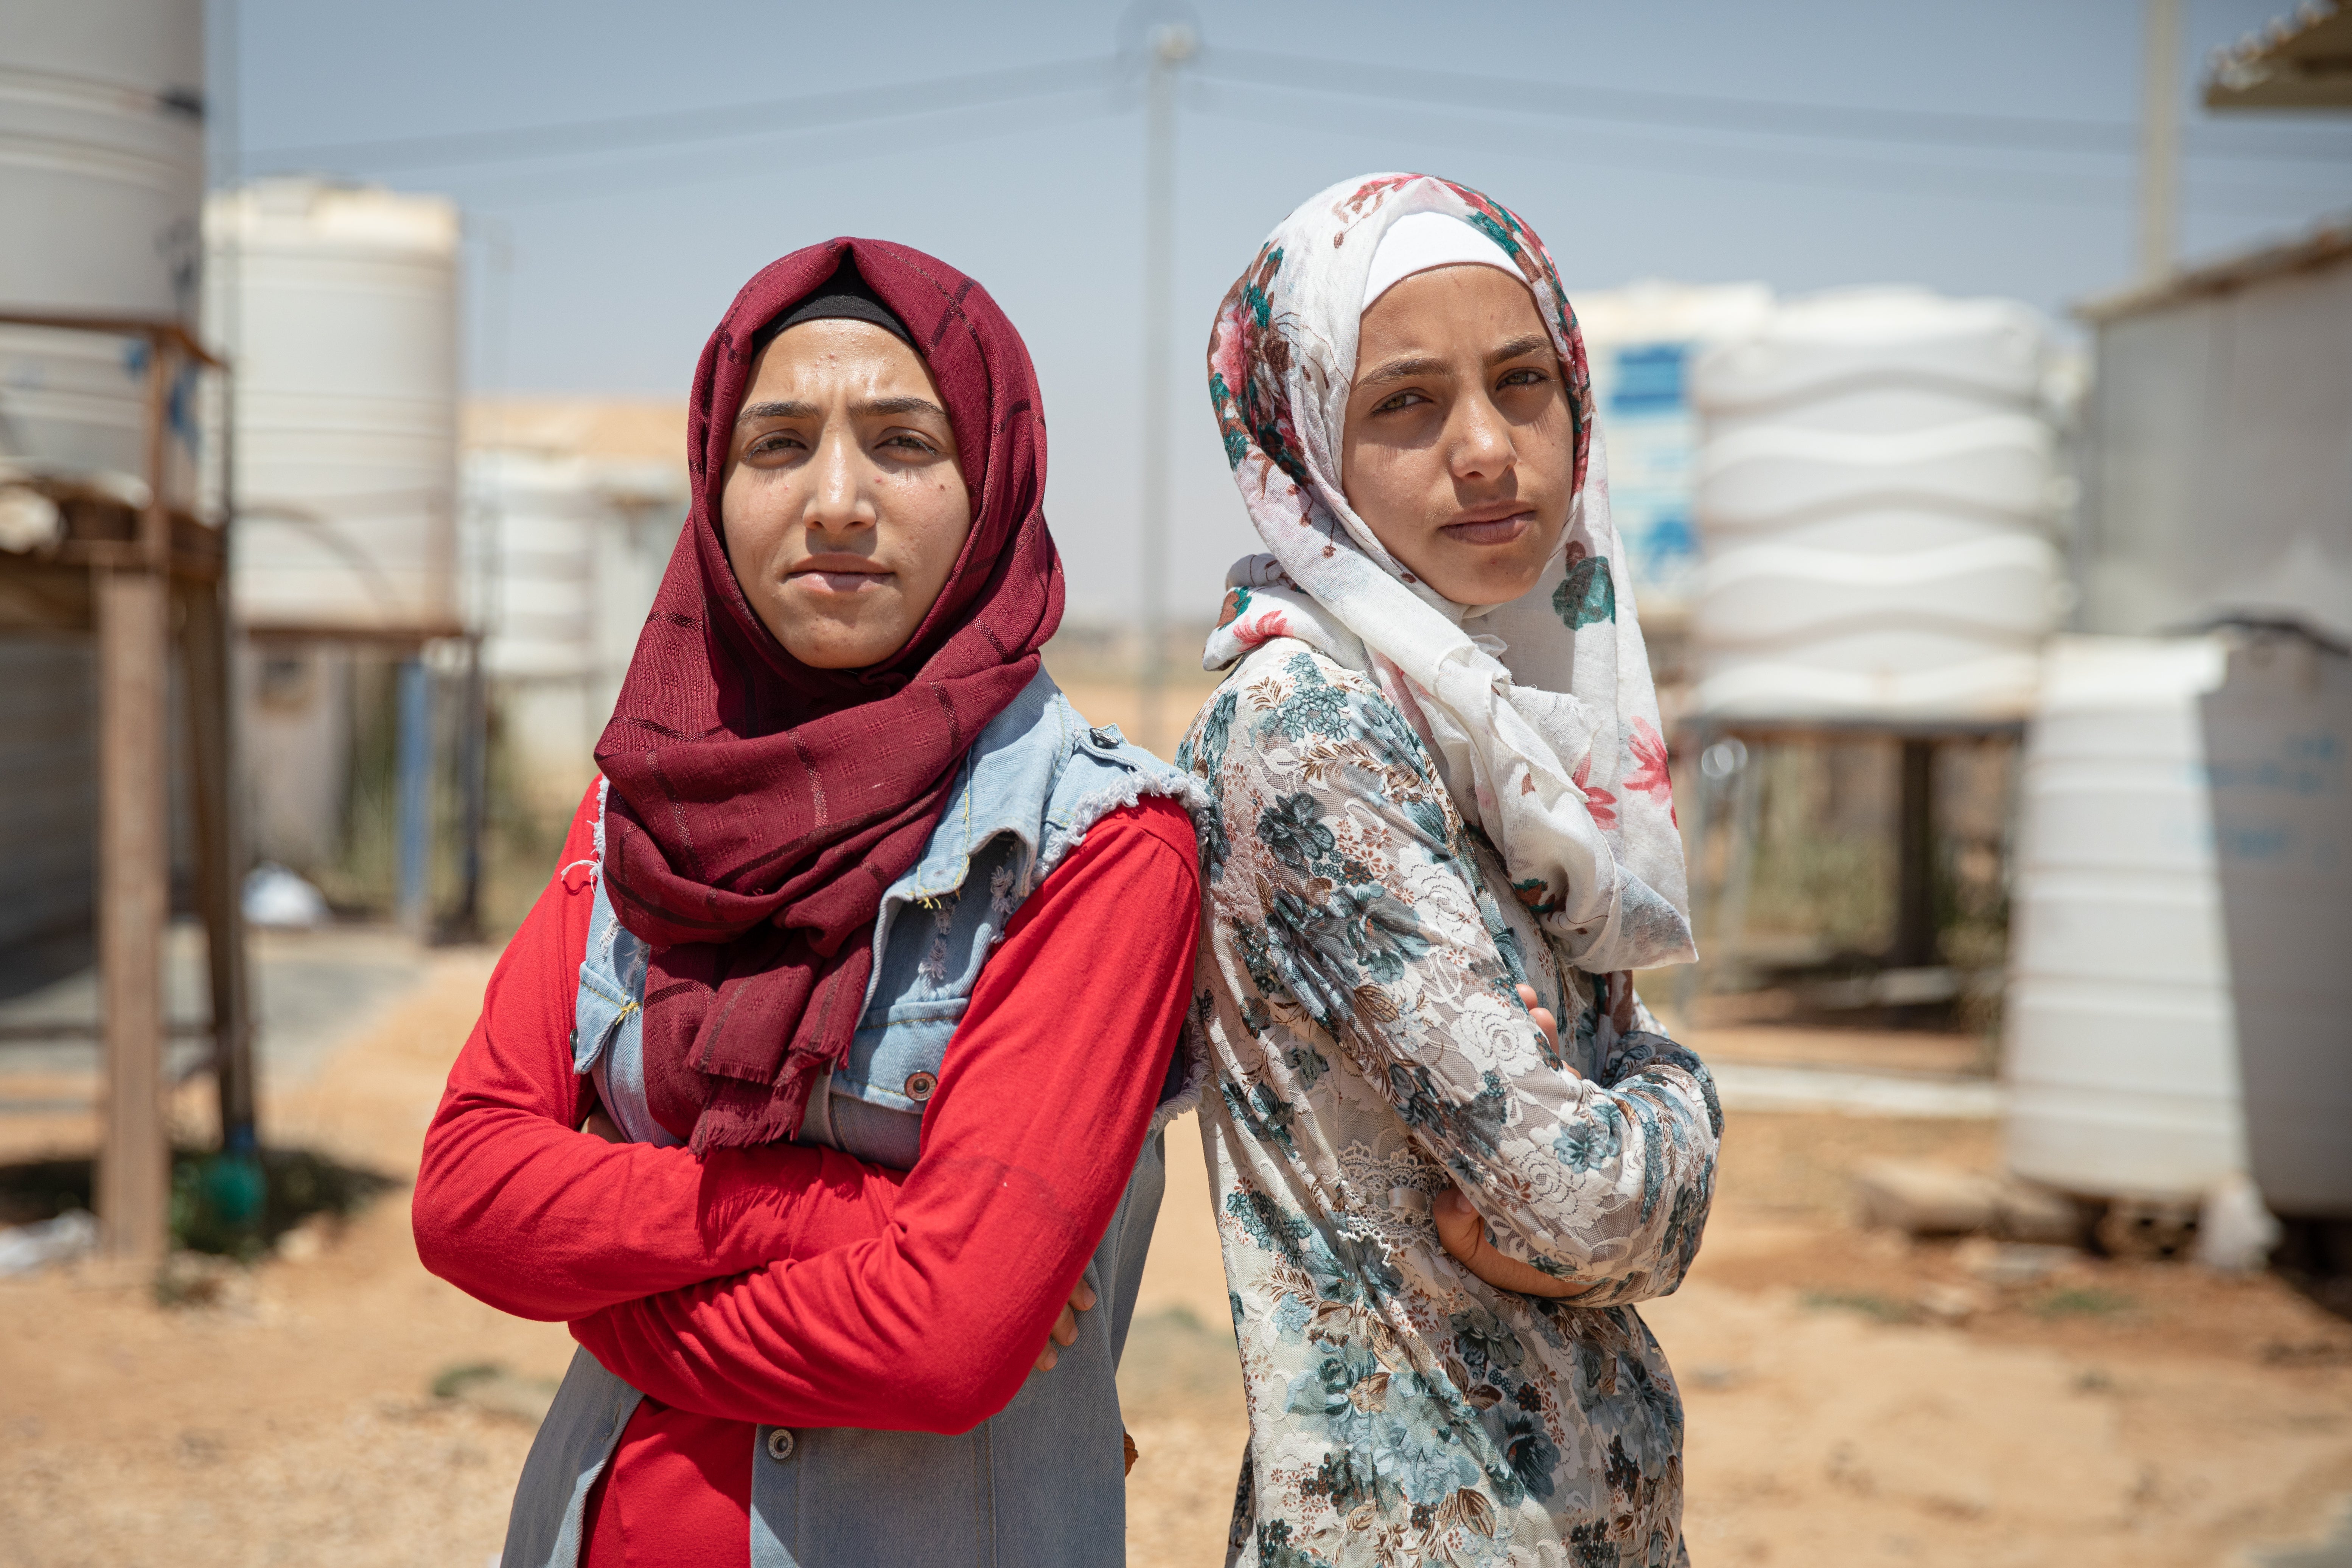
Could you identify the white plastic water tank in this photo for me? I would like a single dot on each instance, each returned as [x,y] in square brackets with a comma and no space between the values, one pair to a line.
[102,175]
[1640,341]
[2278,741]
[1876,503]
[566,552]
[2120,1056]
[340,305]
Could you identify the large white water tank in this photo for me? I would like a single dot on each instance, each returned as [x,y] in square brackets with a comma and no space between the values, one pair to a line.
[567,550]
[102,175]
[1876,505]
[2120,1056]
[1640,341]
[340,305]
[2278,741]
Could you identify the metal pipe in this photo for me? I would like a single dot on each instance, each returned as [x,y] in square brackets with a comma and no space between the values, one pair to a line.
[1171,45]
[2160,144]
[414,765]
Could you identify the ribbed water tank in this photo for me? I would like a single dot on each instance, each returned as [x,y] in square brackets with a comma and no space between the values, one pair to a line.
[1641,342]
[2120,1055]
[1875,504]
[568,551]
[101,177]
[2278,741]
[339,304]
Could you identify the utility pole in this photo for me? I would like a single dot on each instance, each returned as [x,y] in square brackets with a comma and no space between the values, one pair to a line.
[2159,145]
[1171,45]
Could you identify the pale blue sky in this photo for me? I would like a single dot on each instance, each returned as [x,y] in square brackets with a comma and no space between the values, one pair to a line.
[622,260]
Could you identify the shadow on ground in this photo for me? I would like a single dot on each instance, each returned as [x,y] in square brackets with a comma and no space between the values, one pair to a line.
[220,1203]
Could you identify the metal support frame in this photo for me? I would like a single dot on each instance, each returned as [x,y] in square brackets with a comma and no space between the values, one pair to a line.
[1720,911]
[136,576]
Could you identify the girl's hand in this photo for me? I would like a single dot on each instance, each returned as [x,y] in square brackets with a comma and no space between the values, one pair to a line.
[1065,1328]
[1542,1016]
[1463,1233]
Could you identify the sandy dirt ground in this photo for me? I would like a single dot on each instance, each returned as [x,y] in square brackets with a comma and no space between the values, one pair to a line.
[1850,1400]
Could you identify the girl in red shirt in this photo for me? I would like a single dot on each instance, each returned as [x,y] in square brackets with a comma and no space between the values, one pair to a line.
[820,1092]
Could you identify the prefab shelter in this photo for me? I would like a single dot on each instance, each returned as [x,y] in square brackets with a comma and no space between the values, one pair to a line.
[2217,445]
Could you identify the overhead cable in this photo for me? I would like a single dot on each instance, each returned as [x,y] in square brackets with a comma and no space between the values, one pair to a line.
[578,138]
[1848,168]
[1713,111]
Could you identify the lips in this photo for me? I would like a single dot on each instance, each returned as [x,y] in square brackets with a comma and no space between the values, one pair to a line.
[839,572]
[821,581]
[1491,525]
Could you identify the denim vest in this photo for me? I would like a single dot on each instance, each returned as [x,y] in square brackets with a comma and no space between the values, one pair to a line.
[1042,1482]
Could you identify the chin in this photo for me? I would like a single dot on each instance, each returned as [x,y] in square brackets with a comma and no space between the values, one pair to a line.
[1486,582]
[829,645]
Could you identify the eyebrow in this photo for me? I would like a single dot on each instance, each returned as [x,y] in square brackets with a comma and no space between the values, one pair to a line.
[1430,364]
[1518,346]
[1404,370]
[869,408]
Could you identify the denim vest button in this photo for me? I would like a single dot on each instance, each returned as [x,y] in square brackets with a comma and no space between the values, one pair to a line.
[780,1445]
[919,1086]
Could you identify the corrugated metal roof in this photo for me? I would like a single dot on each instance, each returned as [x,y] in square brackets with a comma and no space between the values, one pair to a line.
[2327,246]
[2305,64]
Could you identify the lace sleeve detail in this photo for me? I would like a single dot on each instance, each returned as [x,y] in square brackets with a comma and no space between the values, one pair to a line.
[1347,899]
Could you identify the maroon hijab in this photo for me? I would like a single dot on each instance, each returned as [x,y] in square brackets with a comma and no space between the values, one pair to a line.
[758,807]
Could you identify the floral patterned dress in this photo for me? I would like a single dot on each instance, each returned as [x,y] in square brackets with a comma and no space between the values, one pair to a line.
[1355,998]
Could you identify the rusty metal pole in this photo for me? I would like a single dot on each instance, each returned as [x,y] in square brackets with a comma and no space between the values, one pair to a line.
[132,604]
[212,751]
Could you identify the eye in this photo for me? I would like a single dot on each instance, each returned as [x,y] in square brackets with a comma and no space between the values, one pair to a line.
[909,443]
[1525,376]
[772,443]
[1395,401]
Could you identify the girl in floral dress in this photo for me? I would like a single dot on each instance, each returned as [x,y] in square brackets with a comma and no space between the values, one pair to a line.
[1441,819]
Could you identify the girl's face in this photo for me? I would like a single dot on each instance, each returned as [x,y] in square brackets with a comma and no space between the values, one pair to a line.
[1459,453]
[844,508]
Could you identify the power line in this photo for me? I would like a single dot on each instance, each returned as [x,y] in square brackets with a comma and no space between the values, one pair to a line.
[553,186]
[1847,170]
[1706,113]
[581,138]
[1709,111]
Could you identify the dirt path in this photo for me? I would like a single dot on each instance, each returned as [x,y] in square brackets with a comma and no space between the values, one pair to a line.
[2173,1419]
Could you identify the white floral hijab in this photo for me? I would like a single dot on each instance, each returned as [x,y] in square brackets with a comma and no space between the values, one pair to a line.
[1540,712]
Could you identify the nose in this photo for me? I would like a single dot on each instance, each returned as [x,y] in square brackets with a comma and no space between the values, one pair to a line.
[837,500]
[1479,440]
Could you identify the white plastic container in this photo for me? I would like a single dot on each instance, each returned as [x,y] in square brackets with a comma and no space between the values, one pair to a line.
[1875,495]
[2278,739]
[1640,341]
[339,304]
[567,551]
[101,176]
[2120,1057]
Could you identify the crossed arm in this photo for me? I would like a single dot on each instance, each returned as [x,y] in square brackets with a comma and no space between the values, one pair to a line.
[795,1284]
[1352,904]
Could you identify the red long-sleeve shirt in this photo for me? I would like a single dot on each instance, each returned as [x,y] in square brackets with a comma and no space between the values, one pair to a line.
[794,1284]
